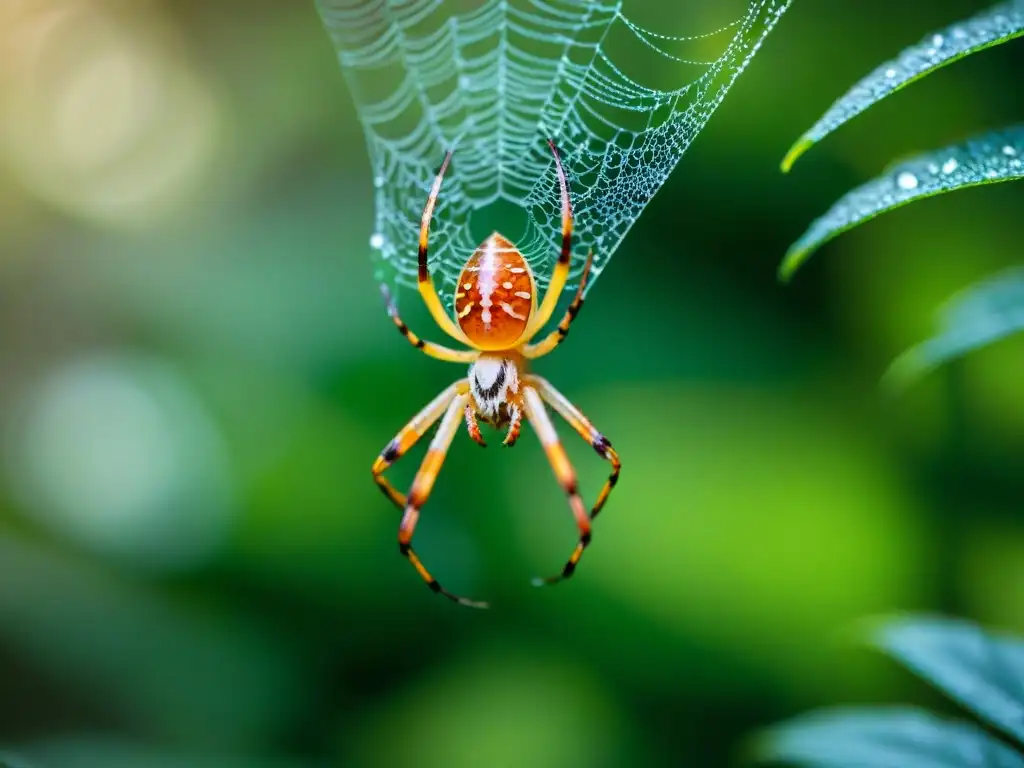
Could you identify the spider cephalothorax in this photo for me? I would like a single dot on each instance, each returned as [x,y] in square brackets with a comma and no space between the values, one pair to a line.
[496,316]
[497,399]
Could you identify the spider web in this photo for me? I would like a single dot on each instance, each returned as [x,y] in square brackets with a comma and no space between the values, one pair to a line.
[492,80]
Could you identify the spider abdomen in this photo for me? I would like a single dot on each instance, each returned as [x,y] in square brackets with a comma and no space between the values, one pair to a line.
[496,295]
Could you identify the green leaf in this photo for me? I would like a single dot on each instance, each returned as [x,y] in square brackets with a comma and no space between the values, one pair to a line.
[998,24]
[983,672]
[884,738]
[984,313]
[984,159]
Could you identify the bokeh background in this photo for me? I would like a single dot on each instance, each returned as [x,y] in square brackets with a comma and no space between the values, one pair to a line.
[196,568]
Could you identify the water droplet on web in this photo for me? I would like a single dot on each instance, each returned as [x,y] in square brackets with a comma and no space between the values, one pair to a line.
[376,241]
[959,33]
[464,81]
[950,165]
[933,168]
[378,181]
[1009,151]
[938,40]
[991,174]
[906,180]
[890,72]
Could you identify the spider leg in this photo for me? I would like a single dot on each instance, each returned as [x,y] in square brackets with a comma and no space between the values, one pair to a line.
[420,491]
[426,284]
[564,473]
[574,416]
[428,347]
[514,425]
[473,427]
[409,435]
[561,272]
[558,335]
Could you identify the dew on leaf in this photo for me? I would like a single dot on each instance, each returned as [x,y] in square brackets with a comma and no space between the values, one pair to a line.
[996,25]
[907,180]
[979,160]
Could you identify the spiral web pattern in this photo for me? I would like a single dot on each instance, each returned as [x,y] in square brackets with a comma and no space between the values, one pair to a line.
[492,80]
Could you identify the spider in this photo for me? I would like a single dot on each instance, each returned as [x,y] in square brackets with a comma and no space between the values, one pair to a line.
[496,316]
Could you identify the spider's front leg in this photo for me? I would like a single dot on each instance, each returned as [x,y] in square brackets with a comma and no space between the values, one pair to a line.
[426,284]
[558,335]
[561,271]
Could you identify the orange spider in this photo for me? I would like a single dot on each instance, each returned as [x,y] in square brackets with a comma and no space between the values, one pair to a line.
[497,315]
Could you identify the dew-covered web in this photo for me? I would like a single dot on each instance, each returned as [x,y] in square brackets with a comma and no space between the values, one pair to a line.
[492,80]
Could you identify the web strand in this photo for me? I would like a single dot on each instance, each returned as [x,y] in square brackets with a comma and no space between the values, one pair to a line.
[493,83]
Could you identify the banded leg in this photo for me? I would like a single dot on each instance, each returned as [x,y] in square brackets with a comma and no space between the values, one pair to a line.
[420,491]
[574,416]
[428,347]
[558,335]
[565,475]
[409,435]
[561,272]
[426,284]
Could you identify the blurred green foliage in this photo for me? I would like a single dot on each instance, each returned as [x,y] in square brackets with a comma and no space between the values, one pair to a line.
[977,669]
[186,208]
